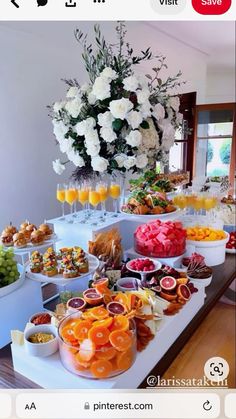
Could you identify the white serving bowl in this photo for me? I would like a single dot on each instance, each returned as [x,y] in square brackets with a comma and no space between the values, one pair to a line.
[204,282]
[41,349]
[213,251]
[121,281]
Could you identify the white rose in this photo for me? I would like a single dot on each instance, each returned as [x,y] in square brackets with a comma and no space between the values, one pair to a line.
[129,162]
[141,161]
[73,107]
[143,96]
[99,164]
[84,126]
[174,103]
[108,134]
[101,88]
[120,159]
[72,92]
[120,108]
[143,81]
[58,106]
[91,98]
[131,83]
[134,138]
[76,158]
[60,130]
[58,167]
[66,145]
[84,88]
[168,136]
[158,112]
[92,149]
[91,136]
[145,109]
[150,137]
[134,118]
[105,119]
[109,74]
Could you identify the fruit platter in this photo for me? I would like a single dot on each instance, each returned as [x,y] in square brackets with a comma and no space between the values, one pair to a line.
[151,181]
[231,244]
[159,239]
[12,275]
[65,265]
[28,237]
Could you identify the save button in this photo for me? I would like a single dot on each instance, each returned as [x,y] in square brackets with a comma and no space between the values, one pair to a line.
[211,7]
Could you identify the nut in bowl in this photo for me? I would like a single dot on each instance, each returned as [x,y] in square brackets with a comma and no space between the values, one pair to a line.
[41,341]
[97,349]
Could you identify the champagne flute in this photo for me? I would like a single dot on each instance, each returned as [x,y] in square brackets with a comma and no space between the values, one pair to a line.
[115,192]
[102,189]
[94,200]
[70,197]
[83,198]
[61,199]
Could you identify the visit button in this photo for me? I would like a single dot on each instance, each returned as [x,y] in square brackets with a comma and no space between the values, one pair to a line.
[211,7]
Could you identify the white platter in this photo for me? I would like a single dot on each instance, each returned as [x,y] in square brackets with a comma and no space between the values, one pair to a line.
[17,284]
[59,279]
[231,251]
[149,217]
[31,248]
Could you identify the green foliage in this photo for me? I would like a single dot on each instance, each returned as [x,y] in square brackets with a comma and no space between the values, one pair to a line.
[210,152]
[225,151]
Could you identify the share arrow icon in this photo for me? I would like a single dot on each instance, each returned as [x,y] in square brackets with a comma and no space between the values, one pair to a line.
[15,4]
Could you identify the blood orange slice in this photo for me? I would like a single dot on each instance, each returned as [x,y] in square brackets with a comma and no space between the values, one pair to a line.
[183,292]
[100,282]
[92,297]
[76,303]
[168,283]
[115,308]
[101,368]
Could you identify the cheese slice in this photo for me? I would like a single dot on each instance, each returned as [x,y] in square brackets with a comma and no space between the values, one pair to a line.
[17,337]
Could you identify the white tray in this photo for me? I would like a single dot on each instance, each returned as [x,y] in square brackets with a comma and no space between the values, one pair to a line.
[31,248]
[59,279]
[12,287]
[149,217]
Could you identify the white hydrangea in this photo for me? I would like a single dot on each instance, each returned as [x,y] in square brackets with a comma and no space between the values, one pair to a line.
[141,161]
[120,159]
[145,109]
[179,118]
[91,98]
[129,162]
[105,119]
[75,158]
[73,107]
[108,134]
[120,108]
[58,106]
[60,130]
[143,81]
[131,83]
[66,145]
[109,74]
[101,88]
[134,119]
[58,167]
[84,88]
[168,135]
[158,112]
[72,92]
[150,137]
[92,137]
[92,149]
[174,103]
[84,126]
[99,164]
[143,96]
[134,138]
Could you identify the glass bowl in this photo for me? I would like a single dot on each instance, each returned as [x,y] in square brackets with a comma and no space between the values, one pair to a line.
[96,361]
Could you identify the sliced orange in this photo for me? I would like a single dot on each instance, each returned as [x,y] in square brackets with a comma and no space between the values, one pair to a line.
[105,322]
[106,352]
[125,360]
[120,340]
[101,368]
[100,281]
[99,313]
[99,335]
[81,329]
[122,298]
[107,299]
[120,323]
[87,315]
[81,361]
[87,350]
[67,335]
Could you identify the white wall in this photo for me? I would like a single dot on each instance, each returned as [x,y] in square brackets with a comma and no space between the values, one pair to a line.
[34,57]
[220,86]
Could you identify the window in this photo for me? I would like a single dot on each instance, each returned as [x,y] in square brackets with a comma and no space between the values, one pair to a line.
[215,142]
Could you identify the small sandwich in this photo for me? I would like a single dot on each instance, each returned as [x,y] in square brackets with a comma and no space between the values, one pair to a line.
[30,228]
[27,234]
[50,268]
[36,262]
[19,240]
[37,237]
[70,271]
[50,255]
[10,230]
[63,252]
[84,266]
[6,239]
[24,225]
[46,230]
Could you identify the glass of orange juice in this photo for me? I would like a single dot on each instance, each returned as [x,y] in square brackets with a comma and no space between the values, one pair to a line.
[115,193]
[70,197]
[94,200]
[61,198]
[83,199]
[102,188]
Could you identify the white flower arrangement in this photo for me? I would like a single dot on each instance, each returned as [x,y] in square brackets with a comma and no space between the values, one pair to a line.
[119,121]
